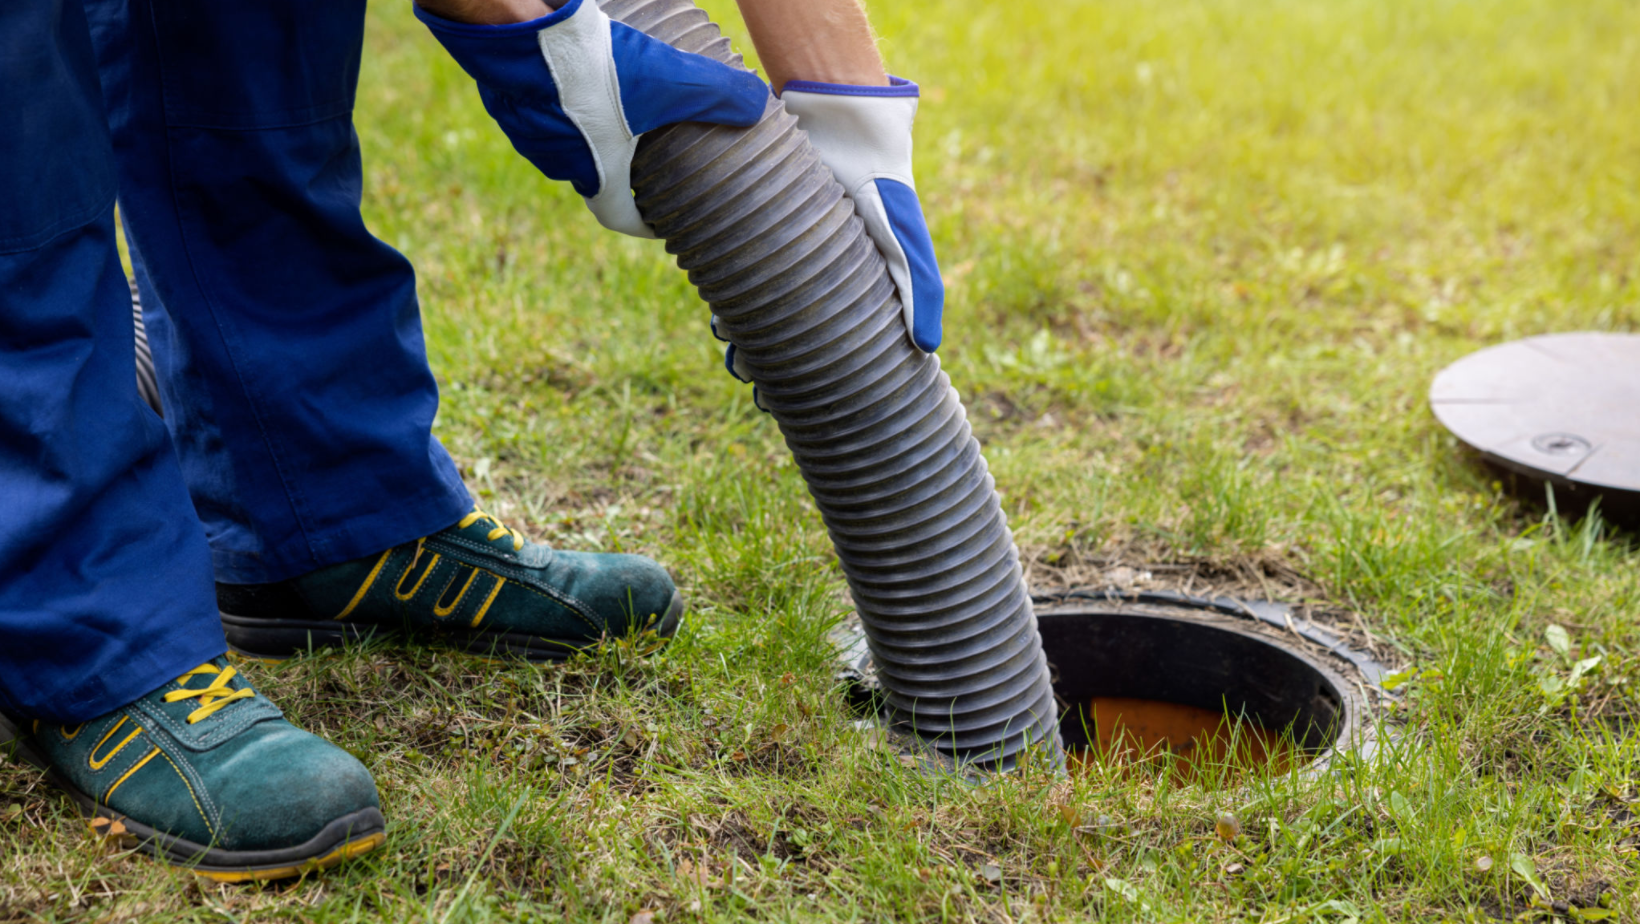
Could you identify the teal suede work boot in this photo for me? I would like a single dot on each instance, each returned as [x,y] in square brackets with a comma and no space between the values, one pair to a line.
[206,773]
[477,585]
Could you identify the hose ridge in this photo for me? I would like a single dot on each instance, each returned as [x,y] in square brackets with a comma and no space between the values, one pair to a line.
[882,439]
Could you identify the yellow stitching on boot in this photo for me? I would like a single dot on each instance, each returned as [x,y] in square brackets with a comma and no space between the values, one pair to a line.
[454,573]
[127,774]
[191,794]
[500,582]
[365,587]
[432,564]
[445,611]
[71,735]
[91,758]
[410,567]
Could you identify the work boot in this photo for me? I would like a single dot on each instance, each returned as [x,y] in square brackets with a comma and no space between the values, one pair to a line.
[205,773]
[477,585]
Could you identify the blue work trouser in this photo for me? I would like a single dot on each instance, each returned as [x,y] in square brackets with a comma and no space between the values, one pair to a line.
[105,578]
[286,337]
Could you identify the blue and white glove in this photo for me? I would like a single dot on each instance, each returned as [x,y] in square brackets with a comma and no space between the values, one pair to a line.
[573,91]
[863,134]
[736,365]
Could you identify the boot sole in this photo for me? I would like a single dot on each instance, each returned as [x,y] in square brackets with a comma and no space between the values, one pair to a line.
[280,639]
[347,837]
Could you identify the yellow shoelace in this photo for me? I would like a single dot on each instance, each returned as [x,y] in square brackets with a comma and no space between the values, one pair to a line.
[497,533]
[212,697]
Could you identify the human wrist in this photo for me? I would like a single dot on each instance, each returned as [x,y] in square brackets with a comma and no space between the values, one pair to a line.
[826,41]
[815,67]
[488,12]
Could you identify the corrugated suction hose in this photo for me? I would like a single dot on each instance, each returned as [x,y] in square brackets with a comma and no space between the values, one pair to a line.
[879,434]
[881,437]
[147,382]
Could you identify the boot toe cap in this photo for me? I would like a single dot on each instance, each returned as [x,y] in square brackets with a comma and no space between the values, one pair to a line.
[287,790]
[626,592]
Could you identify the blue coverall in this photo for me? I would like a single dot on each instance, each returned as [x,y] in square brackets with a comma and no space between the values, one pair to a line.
[287,338]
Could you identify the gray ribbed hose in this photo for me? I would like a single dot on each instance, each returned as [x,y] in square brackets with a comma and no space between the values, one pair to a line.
[881,437]
[147,382]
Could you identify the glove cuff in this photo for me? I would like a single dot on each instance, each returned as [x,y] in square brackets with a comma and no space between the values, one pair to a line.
[861,133]
[897,87]
[502,58]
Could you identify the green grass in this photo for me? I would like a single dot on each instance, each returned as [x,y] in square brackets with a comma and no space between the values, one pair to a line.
[1203,259]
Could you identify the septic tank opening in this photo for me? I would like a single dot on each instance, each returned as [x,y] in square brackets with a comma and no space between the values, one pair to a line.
[1189,692]
[1205,688]
[1150,737]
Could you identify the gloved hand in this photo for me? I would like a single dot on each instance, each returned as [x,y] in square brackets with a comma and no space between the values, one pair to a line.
[737,366]
[574,90]
[863,133]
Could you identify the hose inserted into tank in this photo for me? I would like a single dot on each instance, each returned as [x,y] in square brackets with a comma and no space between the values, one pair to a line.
[772,243]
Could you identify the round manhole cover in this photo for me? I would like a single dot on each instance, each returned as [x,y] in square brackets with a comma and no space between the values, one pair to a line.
[1561,408]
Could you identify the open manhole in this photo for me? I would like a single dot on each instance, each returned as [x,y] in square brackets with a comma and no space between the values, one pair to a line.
[1196,685]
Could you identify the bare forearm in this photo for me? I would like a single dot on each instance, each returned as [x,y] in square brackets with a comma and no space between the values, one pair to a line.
[824,40]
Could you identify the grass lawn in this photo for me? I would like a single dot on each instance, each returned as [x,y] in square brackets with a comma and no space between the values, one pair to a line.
[1203,258]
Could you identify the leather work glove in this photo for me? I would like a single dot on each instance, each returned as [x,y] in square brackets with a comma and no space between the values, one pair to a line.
[574,90]
[863,134]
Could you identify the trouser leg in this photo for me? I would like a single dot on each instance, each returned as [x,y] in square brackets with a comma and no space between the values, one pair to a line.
[287,338]
[105,582]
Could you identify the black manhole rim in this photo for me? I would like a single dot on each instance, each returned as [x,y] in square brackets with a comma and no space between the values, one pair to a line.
[1350,678]
[1202,659]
